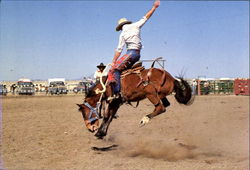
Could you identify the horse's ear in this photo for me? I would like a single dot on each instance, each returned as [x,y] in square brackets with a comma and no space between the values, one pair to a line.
[80,107]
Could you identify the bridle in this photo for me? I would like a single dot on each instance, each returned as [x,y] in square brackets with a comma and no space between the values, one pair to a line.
[93,110]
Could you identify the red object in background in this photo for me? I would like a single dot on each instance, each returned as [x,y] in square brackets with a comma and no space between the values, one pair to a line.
[241,86]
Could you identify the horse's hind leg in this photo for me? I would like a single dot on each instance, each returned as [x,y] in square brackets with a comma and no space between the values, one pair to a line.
[165,102]
[159,108]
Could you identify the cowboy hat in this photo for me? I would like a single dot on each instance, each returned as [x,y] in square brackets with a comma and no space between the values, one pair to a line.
[101,65]
[122,22]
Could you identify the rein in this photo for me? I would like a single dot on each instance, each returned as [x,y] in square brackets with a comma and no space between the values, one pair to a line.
[95,110]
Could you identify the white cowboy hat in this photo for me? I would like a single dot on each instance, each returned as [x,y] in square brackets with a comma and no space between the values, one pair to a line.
[122,22]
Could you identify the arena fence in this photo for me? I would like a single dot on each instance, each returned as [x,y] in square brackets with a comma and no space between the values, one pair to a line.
[199,86]
[241,86]
[220,86]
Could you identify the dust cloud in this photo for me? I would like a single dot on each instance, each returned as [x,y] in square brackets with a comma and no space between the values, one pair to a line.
[169,150]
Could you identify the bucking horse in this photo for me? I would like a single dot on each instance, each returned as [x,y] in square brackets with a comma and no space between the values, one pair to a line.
[137,83]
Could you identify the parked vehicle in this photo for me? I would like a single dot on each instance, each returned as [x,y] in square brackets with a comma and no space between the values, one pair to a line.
[57,86]
[3,90]
[25,87]
[82,87]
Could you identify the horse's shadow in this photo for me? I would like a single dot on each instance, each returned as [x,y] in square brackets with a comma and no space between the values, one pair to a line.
[108,148]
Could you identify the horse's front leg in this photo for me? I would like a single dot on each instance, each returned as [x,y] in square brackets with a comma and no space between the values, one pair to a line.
[108,116]
[102,131]
[102,109]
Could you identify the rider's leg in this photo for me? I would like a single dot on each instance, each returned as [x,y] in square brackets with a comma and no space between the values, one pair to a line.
[128,60]
[117,85]
[123,63]
[114,81]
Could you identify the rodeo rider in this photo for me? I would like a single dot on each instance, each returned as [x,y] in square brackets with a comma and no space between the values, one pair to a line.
[130,36]
[100,72]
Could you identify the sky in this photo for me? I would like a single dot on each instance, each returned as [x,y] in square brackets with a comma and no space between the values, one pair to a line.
[68,39]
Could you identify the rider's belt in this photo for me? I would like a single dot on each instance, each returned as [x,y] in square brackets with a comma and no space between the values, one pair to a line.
[137,51]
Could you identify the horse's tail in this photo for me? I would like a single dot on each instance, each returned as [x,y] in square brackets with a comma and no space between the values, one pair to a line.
[183,91]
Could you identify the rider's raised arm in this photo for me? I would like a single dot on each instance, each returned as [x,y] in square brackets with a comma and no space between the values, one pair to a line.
[142,21]
[151,11]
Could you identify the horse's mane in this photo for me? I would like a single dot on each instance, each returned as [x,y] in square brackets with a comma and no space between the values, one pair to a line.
[91,91]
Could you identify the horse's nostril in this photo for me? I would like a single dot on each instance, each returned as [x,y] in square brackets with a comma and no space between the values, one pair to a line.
[91,130]
[93,122]
[95,128]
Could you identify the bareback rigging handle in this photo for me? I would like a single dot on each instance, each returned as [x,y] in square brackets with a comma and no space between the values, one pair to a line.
[98,91]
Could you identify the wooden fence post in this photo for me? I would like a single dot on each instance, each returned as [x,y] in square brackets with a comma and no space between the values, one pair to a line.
[199,87]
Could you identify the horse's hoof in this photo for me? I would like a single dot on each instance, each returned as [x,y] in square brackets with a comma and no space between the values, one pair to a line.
[100,135]
[144,120]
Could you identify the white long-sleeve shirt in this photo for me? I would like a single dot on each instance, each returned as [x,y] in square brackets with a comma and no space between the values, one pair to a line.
[130,36]
[98,74]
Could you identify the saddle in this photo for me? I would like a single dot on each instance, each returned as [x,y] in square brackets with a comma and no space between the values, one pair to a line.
[135,69]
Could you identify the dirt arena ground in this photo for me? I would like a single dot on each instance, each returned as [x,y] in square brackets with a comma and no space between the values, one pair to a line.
[47,132]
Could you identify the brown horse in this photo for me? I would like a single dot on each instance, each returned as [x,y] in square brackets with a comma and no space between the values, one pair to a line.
[154,84]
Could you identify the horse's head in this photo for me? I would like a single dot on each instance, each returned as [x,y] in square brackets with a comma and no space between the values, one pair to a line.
[91,106]
[90,116]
